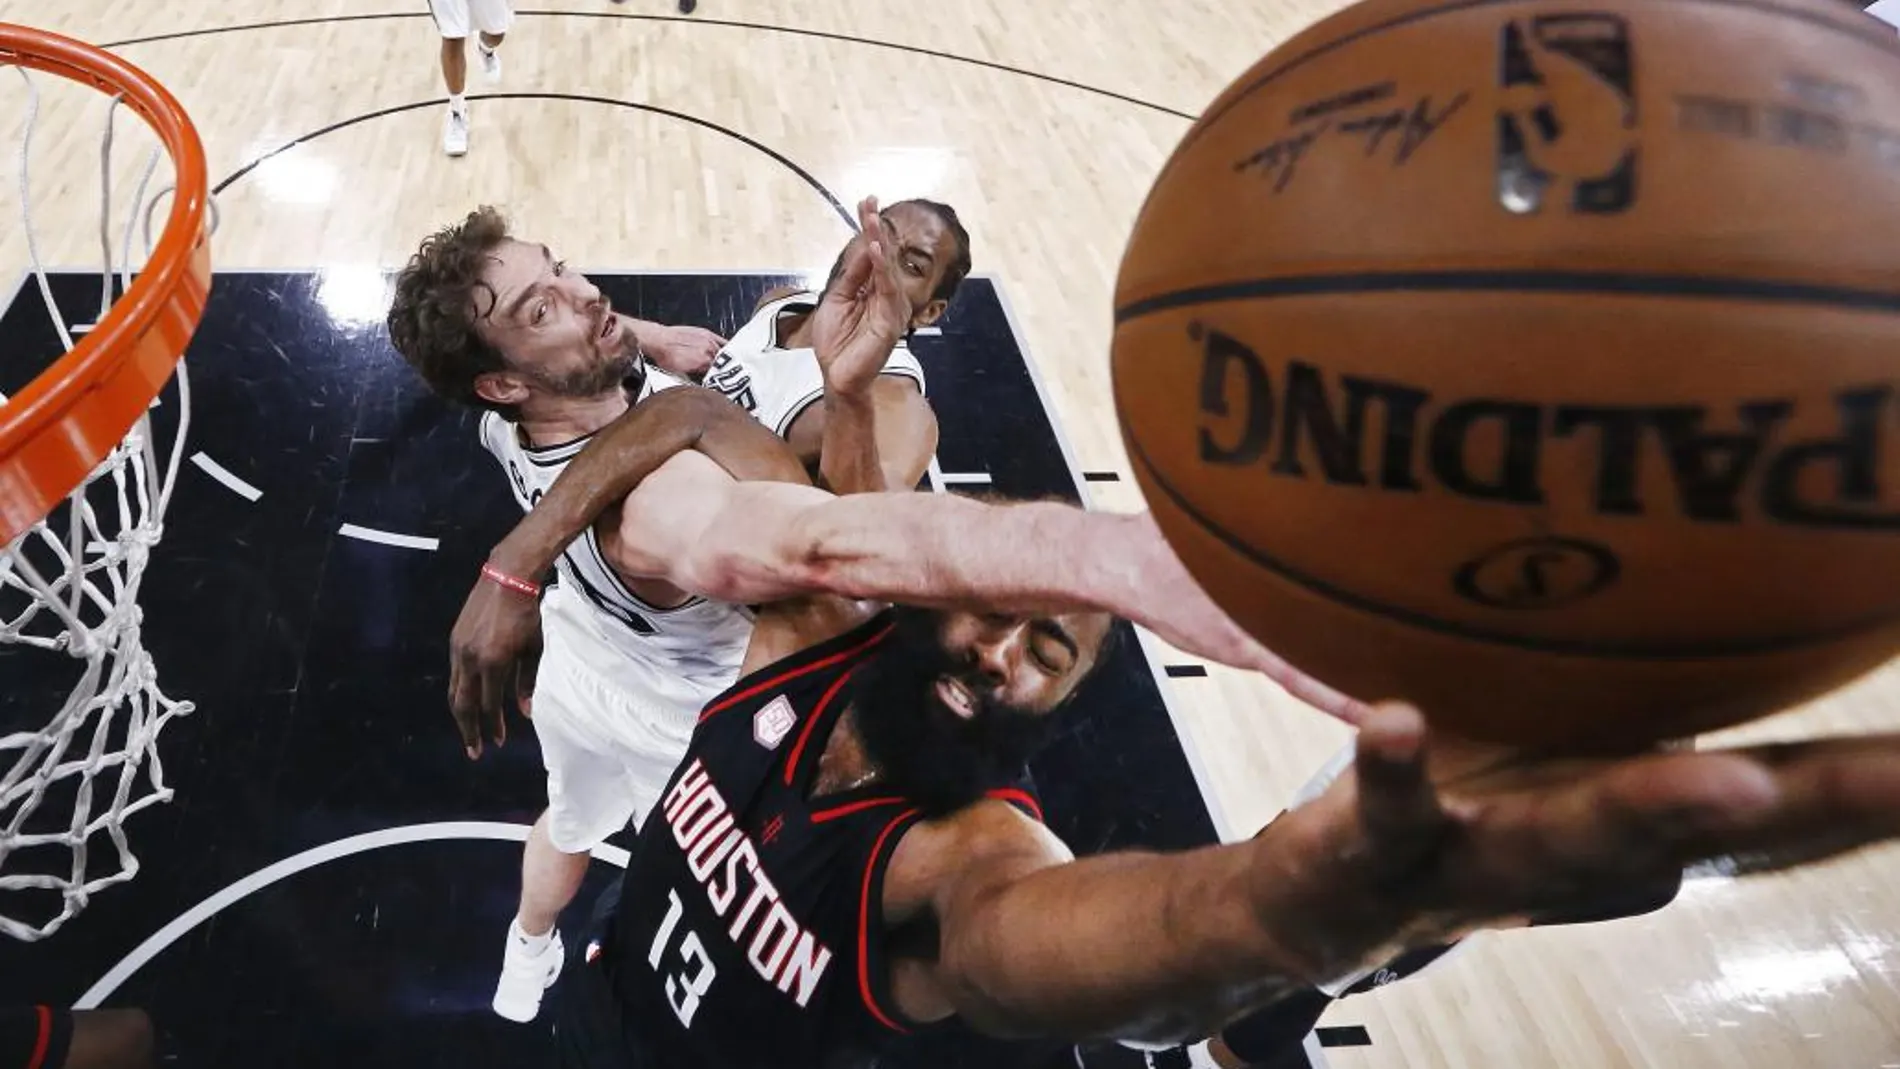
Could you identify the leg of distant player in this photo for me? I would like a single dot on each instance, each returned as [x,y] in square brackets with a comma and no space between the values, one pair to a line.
[493,18]
[453,22]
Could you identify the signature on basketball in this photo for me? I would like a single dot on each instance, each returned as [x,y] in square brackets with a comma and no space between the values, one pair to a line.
[1405,129]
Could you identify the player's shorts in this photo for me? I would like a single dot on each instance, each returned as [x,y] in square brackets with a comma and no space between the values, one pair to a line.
[608,753]
[34,1037]
[460,18]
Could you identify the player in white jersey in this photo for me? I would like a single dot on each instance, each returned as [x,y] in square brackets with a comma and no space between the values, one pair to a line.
[497,322]
[769,369]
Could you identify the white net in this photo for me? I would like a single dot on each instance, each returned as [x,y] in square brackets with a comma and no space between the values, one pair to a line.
[71,634]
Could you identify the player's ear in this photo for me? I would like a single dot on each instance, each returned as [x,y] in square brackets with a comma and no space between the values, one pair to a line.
[501,388]
[929,313]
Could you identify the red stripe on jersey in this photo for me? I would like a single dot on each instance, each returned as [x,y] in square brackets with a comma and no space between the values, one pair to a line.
[864,926]
[1018,798]
[817,714]
[793,673]
[854,807]
[45,1015]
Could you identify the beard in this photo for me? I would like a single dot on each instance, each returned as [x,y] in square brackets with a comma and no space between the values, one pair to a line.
[605,374]
[923,750]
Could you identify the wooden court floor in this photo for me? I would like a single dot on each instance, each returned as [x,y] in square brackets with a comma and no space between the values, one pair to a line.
[629,137]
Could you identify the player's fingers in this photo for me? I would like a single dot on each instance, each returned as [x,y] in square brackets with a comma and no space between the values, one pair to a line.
[857,272]
[462,705]
[1634,821]
[868,219]
[1828,796]
[1333,703]
[1398,806]
[491,692]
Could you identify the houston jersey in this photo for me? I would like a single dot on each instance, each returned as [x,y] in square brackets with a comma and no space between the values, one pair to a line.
[679,657]
[749,933]
[773,383]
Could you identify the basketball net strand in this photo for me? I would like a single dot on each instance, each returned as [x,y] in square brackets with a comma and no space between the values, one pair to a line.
[69,586]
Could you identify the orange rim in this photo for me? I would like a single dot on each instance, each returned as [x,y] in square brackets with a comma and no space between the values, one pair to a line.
[55,432]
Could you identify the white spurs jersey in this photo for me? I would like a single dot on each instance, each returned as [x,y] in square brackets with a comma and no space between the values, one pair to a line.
[680,658]
[691,653]
[772,383]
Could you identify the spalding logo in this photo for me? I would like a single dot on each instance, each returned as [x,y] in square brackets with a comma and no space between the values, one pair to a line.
[1727,463]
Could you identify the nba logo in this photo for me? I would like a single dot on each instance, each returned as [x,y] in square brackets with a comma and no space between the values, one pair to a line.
[771,724]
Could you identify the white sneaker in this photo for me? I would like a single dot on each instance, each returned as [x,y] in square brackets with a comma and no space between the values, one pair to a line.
[491,64]
[455,133]
[525,975]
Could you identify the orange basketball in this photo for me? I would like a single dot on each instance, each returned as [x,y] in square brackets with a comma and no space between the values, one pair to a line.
[1535,362]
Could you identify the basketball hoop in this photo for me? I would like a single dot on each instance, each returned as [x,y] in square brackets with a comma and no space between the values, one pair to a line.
[82,499]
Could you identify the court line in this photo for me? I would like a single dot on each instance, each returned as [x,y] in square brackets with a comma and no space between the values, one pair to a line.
[387,538]
[296,863]
[794,31]
[1224,828]
[809,179]
[224,475]
[966,478]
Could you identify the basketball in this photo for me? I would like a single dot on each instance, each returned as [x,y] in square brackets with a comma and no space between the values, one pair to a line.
[1535,362]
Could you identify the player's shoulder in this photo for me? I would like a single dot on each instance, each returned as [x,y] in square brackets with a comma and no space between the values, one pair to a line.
[497,434]
[778,295]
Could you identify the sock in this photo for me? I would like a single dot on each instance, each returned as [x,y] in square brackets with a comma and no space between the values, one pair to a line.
[535,944]
[486,51]
[458,103]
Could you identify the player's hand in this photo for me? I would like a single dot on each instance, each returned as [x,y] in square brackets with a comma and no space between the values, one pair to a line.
[1422,851]
[683,351]
[1164,597]
[864,313]
[493,652]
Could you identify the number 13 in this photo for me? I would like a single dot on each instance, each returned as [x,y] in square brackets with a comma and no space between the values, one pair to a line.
[682,992]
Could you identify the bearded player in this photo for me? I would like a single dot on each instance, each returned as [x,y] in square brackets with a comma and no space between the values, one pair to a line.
[846,853]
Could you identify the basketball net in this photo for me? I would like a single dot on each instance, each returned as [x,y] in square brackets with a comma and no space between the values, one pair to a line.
[69,587]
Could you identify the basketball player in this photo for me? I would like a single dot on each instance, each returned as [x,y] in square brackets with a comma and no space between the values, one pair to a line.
[846,853]
[454,19]
[497,322]
[771,356]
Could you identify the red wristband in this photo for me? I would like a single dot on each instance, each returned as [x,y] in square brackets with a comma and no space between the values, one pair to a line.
[500,578]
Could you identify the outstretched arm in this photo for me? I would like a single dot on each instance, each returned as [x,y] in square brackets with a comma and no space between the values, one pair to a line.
[630,449]
[1170,947]
[697,528]
[877,431]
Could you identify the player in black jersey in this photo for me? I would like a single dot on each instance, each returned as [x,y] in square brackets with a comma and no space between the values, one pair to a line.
[844,857]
